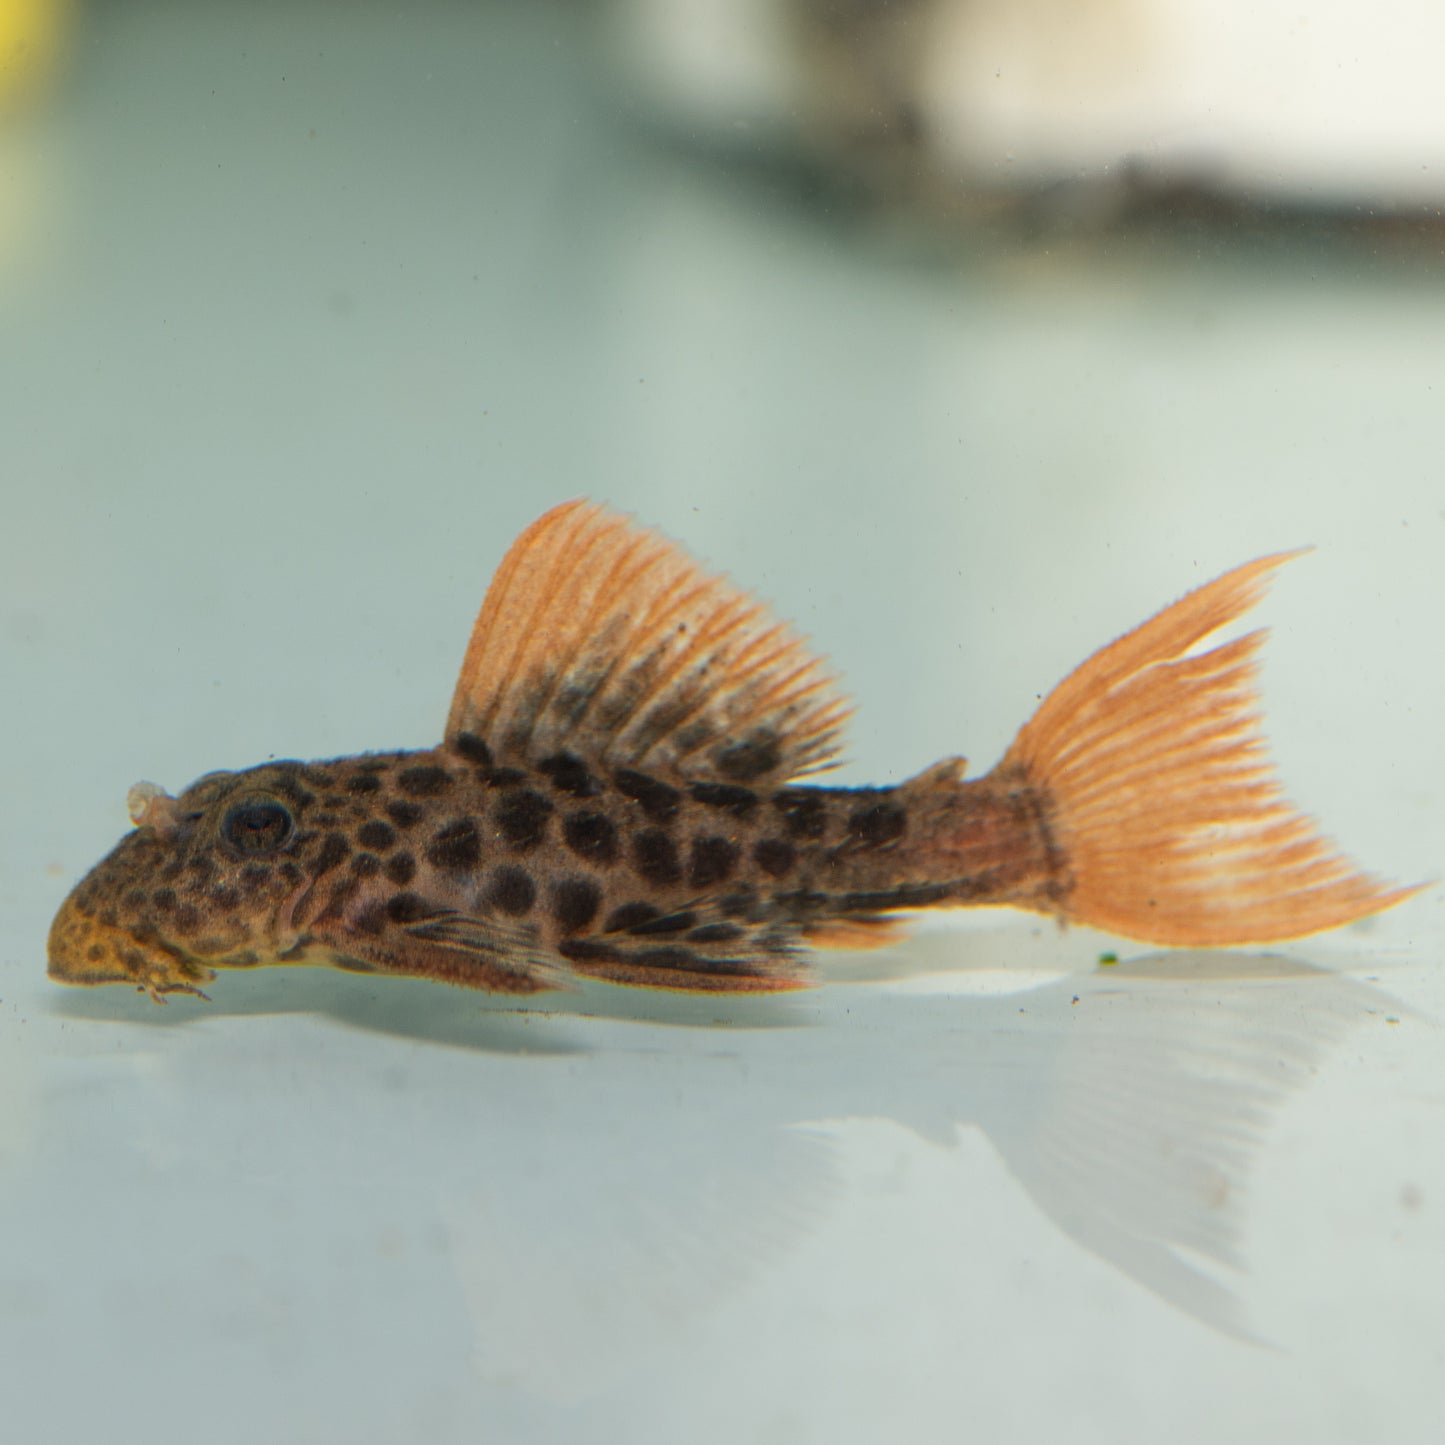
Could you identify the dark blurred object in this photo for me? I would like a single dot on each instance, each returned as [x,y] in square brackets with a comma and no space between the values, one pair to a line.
[1049,115]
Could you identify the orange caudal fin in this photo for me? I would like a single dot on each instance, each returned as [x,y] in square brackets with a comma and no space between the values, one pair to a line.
[1168,818]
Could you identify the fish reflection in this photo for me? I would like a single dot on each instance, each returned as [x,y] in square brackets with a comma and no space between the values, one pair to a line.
[621,1179]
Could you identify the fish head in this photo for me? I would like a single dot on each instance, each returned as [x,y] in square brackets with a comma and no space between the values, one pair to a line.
[209,878]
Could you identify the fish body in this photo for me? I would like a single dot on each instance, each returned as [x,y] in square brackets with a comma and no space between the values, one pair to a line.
[619,795]
[445,864]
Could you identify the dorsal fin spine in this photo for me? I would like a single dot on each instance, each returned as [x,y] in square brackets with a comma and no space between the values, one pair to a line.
[623,577]
[562,602]
[737,613]
[484,639]
[634,714]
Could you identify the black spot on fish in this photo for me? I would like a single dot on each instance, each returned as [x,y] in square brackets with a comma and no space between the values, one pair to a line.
[377,835]
[352,965]
[672,958]
[774,856]
[225,896]
[188,918]
[740,802]
[802,901]
[713,861]
[362,783]
[366,865]
[715,933]
[254,876]
[742,903]
[658,801]
[750,759]
[588,950]
[630,916]
[655,857]
[424,780]
[163,900]
[678,922]
[878,825]
[805,815]
[569,775]
[404,814]
[511,890]
[575,694]
[473,749]
[294,775]
[522,817]
[409,908]
[575,902]
[591,837]
[401,868]
[456,847]
[503,777]
[202,868]
[95,952]
[691,736]
[334,851]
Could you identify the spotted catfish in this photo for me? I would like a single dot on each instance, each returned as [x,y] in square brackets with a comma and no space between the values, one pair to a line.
[618,796]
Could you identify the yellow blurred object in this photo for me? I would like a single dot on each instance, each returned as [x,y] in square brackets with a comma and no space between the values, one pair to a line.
[32,36]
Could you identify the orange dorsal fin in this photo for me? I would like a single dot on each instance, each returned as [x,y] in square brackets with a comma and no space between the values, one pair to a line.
[604,639]
[1172,825]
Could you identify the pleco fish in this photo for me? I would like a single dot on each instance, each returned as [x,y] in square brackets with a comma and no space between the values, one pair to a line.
[617,796]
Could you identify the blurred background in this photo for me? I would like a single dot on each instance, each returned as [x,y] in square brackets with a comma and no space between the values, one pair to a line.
[968,334]
[1059,117]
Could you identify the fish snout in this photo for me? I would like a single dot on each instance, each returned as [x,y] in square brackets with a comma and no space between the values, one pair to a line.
[86,949]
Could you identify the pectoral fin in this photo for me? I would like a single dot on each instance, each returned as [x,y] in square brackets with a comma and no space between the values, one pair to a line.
[697,947]
[457,948]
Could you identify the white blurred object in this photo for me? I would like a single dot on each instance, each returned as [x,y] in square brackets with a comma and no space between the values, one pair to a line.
[1322,105]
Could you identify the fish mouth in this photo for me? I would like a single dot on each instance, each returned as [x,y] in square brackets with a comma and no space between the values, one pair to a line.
[85,949]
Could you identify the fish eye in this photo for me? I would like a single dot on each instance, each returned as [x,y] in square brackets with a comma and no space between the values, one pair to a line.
[257,825]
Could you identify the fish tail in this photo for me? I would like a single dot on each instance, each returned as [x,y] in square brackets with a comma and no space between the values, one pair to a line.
[1164,813]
